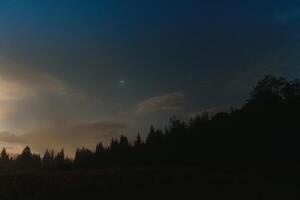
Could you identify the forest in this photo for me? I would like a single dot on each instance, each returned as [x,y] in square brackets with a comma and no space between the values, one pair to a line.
[263,130]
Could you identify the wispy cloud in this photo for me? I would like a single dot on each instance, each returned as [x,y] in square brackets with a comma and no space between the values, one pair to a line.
[22,82]
[167,102]
[20,85]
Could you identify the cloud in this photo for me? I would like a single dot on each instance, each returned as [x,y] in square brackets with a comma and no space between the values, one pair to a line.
[6,136]
[19,83]
[23,82]
[67,135]
[168,102]
[30,97]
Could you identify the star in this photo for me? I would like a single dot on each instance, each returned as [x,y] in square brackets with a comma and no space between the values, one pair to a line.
[122,82]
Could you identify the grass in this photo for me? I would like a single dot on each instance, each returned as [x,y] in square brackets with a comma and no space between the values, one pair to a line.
[143,183]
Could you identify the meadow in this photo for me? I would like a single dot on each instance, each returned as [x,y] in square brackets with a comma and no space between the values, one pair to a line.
[143,183]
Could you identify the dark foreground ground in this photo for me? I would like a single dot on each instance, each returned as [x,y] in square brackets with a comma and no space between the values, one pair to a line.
[148,183]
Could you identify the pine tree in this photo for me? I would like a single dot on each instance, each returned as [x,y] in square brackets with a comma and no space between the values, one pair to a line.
[4,155]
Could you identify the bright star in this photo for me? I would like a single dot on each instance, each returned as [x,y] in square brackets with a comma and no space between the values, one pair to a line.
[122,82]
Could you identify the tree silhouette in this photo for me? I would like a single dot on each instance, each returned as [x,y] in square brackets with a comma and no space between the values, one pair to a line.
[138,143]
[27,160]
[4,155]
[48,161]
[60,160]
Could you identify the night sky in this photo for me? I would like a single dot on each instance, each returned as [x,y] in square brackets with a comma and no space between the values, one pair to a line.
[76,72]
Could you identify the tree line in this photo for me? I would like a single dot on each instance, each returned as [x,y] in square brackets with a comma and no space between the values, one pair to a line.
[265,128]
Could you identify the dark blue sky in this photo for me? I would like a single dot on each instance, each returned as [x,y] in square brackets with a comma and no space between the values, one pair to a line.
[135,63]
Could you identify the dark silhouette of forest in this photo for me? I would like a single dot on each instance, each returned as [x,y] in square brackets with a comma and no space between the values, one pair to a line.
[264,129]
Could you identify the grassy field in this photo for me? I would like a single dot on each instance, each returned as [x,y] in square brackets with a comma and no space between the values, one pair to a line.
[144,183]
